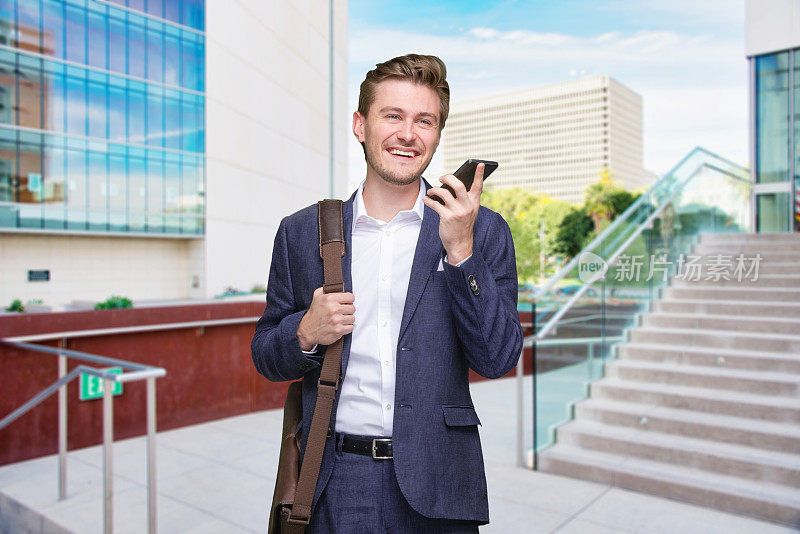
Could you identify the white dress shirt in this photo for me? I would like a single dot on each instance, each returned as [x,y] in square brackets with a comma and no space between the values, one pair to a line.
[383,253]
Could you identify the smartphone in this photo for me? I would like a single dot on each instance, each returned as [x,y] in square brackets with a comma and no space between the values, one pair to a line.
[466,173]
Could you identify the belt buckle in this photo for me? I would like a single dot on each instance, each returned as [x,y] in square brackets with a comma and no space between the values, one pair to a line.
[375,448]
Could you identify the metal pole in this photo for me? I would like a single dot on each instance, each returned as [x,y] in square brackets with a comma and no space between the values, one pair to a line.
[520,410]
[535,392]
[62,425]
[151,455]
[108,470]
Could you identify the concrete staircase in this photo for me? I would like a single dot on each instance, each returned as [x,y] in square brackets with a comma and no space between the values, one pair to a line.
[703,403]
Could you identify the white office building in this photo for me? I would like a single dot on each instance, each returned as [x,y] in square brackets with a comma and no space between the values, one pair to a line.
[555,140]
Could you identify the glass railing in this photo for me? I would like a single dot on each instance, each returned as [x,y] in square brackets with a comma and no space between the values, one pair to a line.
[585,309]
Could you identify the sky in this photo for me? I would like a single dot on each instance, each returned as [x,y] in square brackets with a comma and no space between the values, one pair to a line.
[685,57]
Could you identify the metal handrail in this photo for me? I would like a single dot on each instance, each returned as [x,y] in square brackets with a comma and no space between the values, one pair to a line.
[627,213]
[132,329]
[618,252]
[136,371]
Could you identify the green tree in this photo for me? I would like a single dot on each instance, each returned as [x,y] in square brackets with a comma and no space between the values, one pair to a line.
[605,201]
[515,205]
[530,216]
[573,233]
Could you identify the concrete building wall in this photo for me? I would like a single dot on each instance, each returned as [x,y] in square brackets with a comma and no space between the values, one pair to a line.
[92,268]
[268,140]
[555,140]
[626,137]
[771,25]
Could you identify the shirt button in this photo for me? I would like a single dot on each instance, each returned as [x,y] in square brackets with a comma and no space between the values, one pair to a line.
[385,323]
[385,277]
[388,406]
[386,363]
[387,233]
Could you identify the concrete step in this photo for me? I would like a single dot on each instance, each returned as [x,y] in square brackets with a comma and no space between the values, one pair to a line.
[722,293]
[765,435]
[749,250]
[719,401]
[715,457]
[724,339]
[740,322]
[791,281]
[768,501]
[783,238]
[768,253]
[710,357]
[729,307]
[748,381]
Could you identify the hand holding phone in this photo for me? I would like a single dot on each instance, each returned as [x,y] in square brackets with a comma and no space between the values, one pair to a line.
[466,173]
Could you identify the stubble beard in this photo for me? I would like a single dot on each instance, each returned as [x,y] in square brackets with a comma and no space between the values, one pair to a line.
[394,177]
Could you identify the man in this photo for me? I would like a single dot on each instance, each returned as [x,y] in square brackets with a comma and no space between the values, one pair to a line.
[431,290]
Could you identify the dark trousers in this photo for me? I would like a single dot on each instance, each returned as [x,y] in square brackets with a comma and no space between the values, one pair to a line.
[362,496]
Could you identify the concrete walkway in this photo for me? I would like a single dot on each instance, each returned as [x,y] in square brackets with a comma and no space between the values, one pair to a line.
[218,478]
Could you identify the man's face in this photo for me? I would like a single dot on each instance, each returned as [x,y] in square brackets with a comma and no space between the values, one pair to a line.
[400,132]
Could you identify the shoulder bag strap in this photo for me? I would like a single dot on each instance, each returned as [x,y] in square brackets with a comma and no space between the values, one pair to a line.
[331,248]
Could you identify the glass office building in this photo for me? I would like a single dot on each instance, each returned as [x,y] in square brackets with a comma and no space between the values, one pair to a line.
[102,116]
[775,86]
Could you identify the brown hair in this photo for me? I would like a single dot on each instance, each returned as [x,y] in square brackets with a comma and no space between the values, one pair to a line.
[425,70]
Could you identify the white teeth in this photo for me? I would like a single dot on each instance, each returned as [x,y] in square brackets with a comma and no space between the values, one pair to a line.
[401,153]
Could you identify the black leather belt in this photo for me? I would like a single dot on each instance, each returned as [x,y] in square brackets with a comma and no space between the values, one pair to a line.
[377,447]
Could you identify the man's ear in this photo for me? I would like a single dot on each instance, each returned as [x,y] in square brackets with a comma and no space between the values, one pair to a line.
[358,126]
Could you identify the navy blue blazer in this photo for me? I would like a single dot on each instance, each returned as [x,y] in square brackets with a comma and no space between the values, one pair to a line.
[455,319]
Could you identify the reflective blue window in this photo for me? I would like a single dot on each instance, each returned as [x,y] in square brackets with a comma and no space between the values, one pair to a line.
[117,192]
[117,110]
[54,98]
[29,180]
[113,139]
[155,47]
[117,42]
[137,180]
[97,40]
[53,28]
[28,30]
[75,32]
[76,105]
[136,46]
[76,185]
[98,191]
[136,113]
[155,116]
[155,191]
[7,16]
[98,105]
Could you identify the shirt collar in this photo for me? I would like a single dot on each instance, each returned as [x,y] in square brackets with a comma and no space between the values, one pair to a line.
[360,210]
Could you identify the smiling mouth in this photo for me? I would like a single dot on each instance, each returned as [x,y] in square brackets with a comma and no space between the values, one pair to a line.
[405,154]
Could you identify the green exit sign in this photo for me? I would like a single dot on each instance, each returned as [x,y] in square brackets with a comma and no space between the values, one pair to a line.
[92,386]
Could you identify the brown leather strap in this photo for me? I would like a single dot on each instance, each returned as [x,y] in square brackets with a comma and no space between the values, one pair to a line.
[331,247]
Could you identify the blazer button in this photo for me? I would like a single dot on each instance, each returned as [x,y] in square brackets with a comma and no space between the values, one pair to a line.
[473,285]
[305,366]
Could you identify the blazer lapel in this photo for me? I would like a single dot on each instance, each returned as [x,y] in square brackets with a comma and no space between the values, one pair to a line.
[347,274]
[426,256]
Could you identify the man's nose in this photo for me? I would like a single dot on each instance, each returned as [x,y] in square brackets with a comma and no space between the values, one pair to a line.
[406,132]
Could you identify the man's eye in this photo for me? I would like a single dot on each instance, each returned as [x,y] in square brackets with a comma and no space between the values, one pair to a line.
[427,122]
[393,116]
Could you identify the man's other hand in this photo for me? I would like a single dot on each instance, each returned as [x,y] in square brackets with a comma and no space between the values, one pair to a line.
[329,317]
[457,215]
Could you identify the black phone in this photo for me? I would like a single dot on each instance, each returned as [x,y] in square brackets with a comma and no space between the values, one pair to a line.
[466,173]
